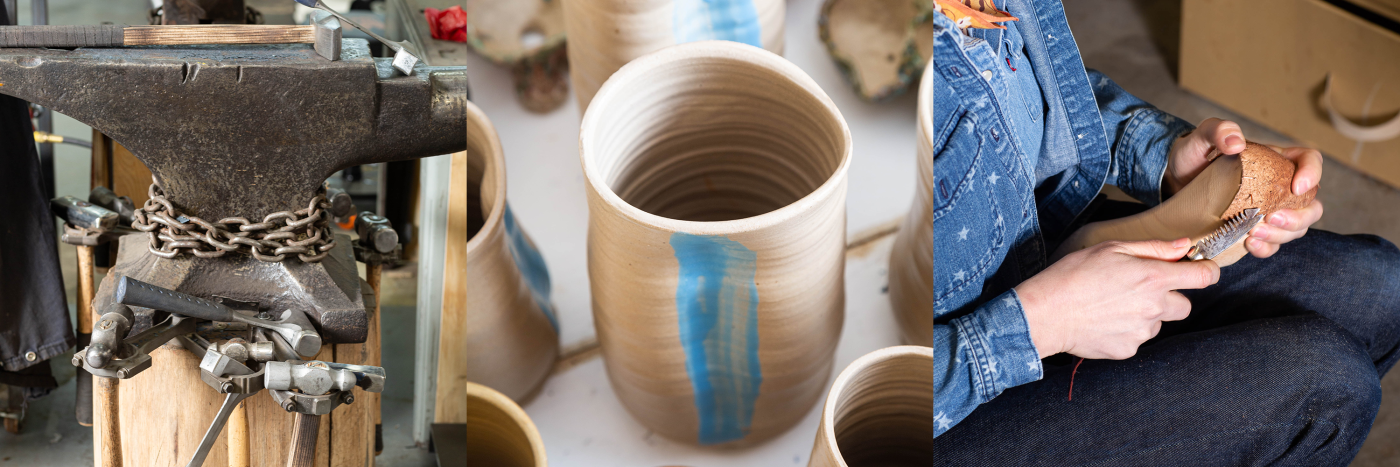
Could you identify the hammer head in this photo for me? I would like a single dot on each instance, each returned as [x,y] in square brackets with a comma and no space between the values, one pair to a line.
[83,214]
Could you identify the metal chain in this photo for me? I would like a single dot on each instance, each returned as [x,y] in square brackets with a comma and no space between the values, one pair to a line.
[305,232]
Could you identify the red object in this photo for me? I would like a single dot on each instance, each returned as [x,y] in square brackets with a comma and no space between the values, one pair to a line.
[1071,377]
[449,24]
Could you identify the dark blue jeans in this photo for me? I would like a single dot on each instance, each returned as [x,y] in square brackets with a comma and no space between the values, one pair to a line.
[1278,364]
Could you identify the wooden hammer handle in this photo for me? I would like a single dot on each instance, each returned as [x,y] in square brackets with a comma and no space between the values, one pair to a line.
[305,429]
[219,34]
[118,36]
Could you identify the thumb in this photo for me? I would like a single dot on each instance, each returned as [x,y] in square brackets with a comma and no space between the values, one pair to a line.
[1224,135]
[1157,249]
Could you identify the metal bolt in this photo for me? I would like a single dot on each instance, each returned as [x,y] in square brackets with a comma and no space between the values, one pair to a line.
[347,398]
[77,361]
[31,356]
[226,388]
[121,374]
[289,405]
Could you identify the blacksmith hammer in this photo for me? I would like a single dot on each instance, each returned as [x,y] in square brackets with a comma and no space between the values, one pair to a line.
[325,34]
[378,245]
[85,224]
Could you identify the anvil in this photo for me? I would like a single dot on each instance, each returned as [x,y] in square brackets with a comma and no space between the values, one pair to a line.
[245,131]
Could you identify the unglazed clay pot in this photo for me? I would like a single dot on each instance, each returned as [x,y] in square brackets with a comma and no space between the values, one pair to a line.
[717,223]
[499,434]
[879,45]
[1257,177]
[606,34]
[504,31]
[511,336]
[879,412]
[911,259]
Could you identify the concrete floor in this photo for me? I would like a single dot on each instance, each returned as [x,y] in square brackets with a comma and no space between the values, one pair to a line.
[1136,43]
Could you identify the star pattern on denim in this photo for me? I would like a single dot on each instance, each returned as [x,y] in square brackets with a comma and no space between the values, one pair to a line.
[992,179]
[992,365]
[962,234]
[959,276]
[1033,365]
[942,420]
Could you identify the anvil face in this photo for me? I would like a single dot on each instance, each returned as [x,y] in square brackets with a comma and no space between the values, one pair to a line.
[245,131]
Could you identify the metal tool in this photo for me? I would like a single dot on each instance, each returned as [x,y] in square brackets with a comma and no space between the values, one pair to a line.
[404,60]
[227,376]
[325,36]
[83,214]
[122,205]
[85,225]
[317,377]
[376,232]
[312,389]
[132,355]
[297,332]
[1235,229]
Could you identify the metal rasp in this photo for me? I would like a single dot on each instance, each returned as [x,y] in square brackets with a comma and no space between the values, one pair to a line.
[1235,229]
[404,60]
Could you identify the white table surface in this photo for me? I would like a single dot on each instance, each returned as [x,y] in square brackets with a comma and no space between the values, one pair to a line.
[579,416]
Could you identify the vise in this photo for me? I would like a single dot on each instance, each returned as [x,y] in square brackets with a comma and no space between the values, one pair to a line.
[233,133]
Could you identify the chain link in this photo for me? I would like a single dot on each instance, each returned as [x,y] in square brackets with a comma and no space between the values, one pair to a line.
[304,232]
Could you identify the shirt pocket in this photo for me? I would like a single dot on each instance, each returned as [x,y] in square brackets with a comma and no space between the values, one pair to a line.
[969,229]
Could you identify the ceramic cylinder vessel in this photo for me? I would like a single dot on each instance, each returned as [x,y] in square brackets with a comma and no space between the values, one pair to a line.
[911,259]
[606,34]
[717,217]
[499,433]
[879,412]
[511,334]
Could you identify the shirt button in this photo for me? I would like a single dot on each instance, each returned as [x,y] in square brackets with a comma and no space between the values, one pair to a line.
[31,356]
[987,74]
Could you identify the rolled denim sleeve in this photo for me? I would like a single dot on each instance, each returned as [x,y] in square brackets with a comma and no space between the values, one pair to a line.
[979,355]
[1141,136]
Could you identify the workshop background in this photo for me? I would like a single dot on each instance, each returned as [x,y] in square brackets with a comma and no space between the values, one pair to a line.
[1138,43]
[50,436]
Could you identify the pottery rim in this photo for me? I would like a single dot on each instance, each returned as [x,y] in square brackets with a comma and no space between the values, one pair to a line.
[516,414]
[494,161]
[739,53]
[855,369]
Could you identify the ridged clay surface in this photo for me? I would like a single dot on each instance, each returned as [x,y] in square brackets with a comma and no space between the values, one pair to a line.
[716,190]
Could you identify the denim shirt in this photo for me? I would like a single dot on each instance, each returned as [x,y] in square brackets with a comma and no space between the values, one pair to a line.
[1017,156]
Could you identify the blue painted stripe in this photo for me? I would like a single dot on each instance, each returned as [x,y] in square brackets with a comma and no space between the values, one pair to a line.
[531,265]
[703,20]
[717,307]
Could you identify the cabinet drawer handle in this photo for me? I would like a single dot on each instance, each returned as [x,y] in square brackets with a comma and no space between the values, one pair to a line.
[1365,134]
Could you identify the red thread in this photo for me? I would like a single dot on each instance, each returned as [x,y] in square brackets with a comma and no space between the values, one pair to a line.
[1008,64]
[1071,377]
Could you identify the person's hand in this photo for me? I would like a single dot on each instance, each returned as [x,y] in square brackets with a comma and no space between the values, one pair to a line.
[1286,225]
[1106,300]
[1191,153]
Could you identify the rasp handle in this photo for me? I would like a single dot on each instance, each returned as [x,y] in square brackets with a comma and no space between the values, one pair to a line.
[132,292]
[61,36]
